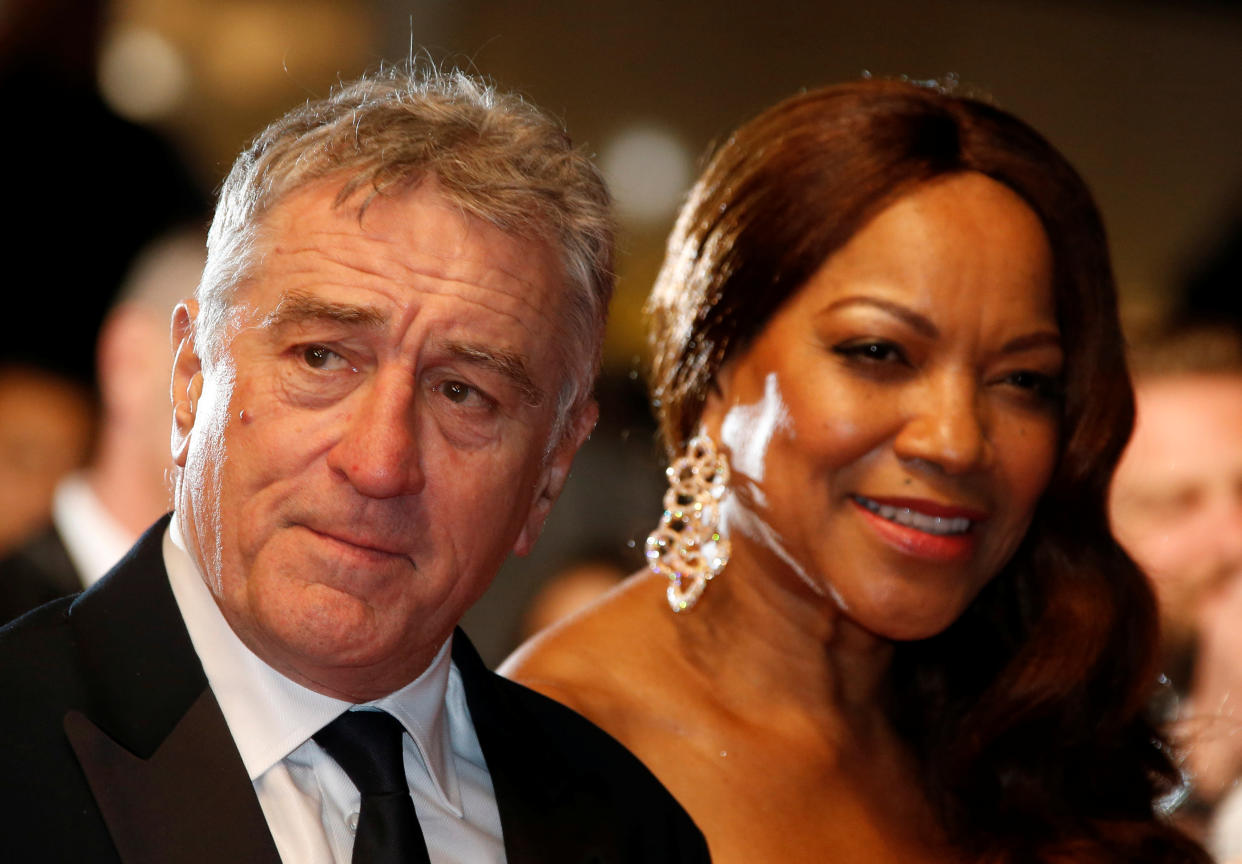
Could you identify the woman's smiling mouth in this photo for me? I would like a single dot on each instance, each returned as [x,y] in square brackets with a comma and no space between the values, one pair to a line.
[924,529]
[913,515]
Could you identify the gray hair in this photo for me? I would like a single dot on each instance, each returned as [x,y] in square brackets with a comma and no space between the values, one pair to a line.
[494,156]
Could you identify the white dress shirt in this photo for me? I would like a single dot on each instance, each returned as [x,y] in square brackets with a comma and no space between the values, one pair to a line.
[92,537]
[1225,831]
[310,804]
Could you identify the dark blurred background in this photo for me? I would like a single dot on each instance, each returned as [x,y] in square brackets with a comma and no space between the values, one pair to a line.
[1143,96]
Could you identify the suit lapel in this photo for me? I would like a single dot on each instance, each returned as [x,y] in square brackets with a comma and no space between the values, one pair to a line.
[174,806]
[529,777]
[153,743]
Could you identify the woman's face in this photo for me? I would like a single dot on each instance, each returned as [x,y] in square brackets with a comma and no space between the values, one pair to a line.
[892,427]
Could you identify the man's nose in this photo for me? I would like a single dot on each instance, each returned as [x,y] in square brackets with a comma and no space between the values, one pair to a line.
[377,451]
[944,426]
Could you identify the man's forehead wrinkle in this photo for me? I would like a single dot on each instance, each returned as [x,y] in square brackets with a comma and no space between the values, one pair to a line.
[471,255]
[426,280]
[463,247]
[456,269]
[477,274]
[531,247]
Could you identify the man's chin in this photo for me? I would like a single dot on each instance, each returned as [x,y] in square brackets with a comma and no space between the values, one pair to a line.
[351,669]
[313,644]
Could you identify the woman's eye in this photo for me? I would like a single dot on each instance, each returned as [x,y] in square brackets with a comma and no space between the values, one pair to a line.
[876,351]
[1037,383]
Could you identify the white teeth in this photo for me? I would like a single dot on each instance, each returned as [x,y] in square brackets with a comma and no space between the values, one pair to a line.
[915,519]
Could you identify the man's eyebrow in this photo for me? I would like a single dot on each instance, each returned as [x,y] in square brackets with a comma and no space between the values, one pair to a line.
[511,366]
[299,307]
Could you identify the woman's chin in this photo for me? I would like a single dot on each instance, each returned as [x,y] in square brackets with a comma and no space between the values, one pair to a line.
[909,620]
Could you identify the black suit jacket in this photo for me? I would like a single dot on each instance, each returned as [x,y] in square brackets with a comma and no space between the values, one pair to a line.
[113,749]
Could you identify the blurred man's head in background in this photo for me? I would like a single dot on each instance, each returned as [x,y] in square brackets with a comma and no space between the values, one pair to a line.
[1176,500]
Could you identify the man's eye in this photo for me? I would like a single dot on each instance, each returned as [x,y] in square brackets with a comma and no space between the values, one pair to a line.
[456,391]
[321,357]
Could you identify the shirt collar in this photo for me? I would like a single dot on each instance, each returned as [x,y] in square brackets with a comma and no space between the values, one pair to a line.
[93,537]
[270,715]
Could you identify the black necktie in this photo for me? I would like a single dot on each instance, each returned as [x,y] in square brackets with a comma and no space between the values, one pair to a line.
[367,744]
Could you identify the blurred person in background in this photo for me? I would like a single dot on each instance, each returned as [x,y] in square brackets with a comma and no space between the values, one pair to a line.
[1176,506]
[47,423]
[97,513]
[93,189]
[885,619]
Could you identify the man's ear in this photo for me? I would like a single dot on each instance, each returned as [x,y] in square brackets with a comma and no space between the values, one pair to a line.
[187,378]
[554,474]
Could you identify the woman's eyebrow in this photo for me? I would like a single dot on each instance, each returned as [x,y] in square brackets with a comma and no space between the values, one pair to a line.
[916,321]
[1037,339]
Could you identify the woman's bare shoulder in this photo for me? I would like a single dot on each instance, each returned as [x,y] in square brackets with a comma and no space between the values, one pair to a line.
[595,660]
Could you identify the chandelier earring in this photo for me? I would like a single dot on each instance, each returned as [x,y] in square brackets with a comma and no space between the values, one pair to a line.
[687,548]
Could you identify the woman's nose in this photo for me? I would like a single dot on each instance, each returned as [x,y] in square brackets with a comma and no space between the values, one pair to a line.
[944,427]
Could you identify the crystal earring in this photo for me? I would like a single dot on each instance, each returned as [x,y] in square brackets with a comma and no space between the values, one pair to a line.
[687,547]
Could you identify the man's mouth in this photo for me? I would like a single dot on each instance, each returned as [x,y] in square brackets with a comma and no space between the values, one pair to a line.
[910,517]
[364,545]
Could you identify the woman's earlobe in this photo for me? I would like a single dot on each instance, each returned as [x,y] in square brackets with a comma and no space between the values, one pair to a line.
[716,400]
[712,415]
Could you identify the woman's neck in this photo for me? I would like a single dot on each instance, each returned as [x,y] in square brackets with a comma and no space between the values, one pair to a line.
[761,638]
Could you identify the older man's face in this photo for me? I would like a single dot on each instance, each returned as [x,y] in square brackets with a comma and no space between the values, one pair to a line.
[372,441]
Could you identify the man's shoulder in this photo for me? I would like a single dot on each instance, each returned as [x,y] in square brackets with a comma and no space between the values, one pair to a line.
[99,657]
[569,732]
[36,641]
[42,679]
[543,751]
[53,658]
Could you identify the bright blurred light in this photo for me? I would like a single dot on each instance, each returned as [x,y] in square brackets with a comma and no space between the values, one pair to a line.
[141,75]
[648,170]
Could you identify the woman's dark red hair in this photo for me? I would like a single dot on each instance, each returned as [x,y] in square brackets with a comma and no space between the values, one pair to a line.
[1028,715]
